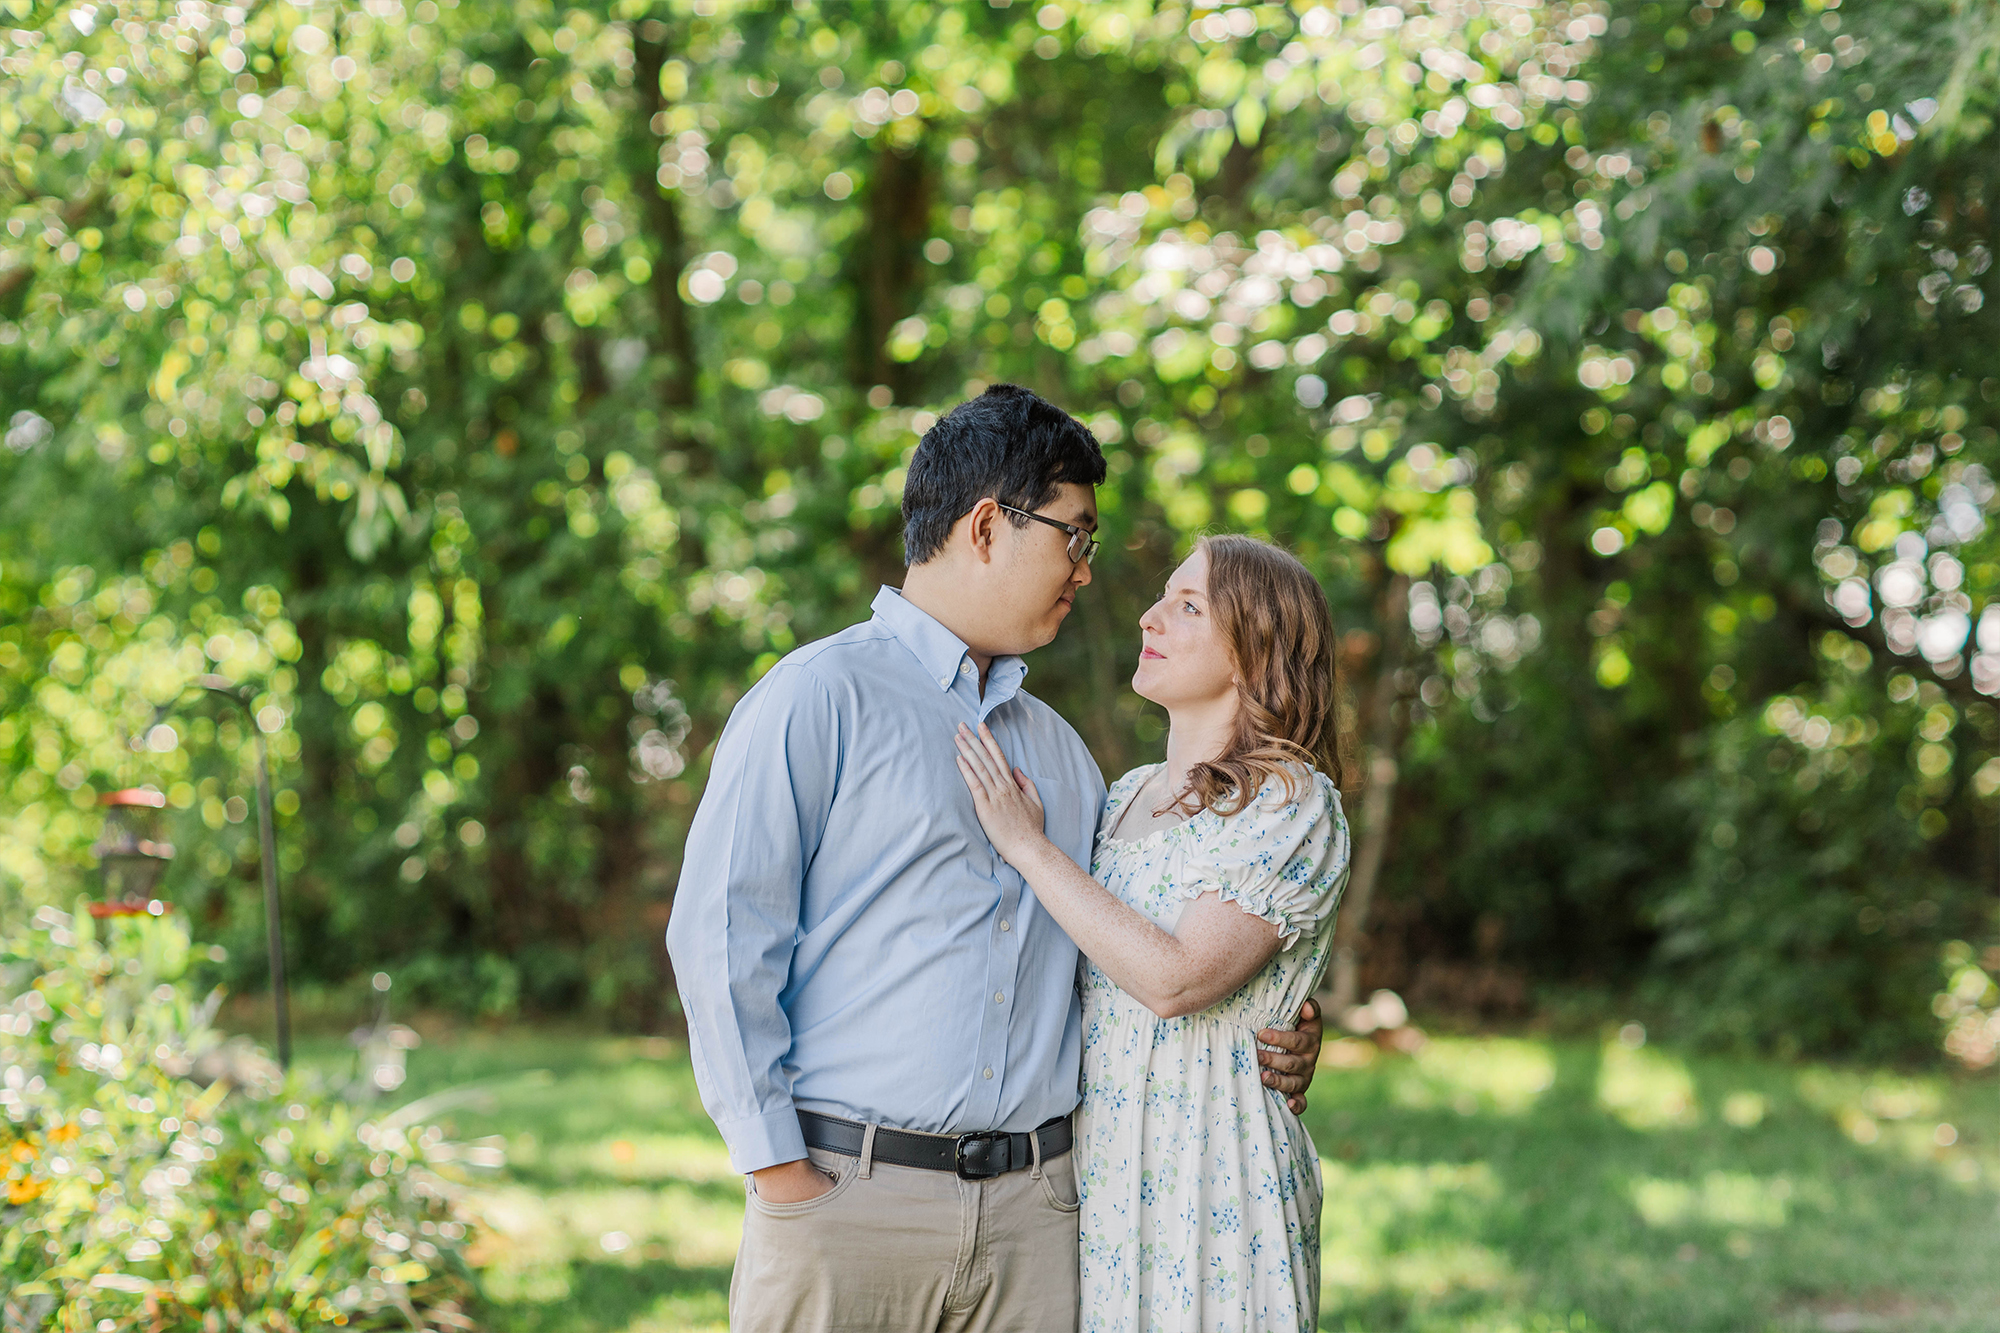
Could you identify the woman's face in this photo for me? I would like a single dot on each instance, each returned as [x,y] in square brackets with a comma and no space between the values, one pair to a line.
[1183,661]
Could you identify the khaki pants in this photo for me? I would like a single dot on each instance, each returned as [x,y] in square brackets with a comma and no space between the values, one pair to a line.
[910,1251]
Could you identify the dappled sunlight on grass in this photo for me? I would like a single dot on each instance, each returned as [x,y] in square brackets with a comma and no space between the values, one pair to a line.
[1877,1095]
[1401,1230]
[1723,1198]
[707,1313]
[1745,1110]
[1908,1116]
[1645,1087]
[1494,1075]
[686,1227]
[1623,1186]
[1485,1185]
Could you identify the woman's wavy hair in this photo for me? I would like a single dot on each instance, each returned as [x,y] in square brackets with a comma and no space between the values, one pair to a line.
[1273,616]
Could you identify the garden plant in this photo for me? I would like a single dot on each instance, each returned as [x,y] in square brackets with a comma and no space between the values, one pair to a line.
[161,1178]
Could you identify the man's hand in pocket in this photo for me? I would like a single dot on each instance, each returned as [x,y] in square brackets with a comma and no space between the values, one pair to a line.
[792,1182]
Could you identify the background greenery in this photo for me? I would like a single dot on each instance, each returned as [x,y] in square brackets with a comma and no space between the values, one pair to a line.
[499,389]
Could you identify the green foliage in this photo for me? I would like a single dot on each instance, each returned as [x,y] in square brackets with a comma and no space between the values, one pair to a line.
[134,1193]
[1970,1006]
[1787,928]
[499,391]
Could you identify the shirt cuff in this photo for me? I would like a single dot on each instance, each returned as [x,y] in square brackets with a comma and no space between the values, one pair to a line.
[764,1140]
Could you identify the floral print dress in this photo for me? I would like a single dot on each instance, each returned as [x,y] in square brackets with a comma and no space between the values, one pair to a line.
[1200,1190]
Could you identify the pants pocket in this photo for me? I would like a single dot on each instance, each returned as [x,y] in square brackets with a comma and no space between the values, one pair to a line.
[842,1169]
[1059,1183]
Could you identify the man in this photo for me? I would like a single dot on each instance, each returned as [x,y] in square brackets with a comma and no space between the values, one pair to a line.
[883,1020]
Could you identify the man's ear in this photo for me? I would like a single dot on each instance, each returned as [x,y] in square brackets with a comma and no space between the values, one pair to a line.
[982,527]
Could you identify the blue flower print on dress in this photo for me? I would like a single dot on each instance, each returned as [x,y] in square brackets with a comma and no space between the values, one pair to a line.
[1200,1191]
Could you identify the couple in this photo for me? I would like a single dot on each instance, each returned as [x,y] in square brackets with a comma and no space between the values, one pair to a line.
[884,893]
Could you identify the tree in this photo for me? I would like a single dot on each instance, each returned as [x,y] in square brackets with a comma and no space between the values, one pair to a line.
[503,392]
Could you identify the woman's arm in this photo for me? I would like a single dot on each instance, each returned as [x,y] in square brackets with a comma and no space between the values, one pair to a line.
[1214,949]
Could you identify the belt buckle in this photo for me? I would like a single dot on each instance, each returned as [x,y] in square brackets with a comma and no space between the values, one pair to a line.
[978,1164]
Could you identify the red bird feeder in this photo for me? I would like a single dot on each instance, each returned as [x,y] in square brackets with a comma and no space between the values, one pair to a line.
[131,862]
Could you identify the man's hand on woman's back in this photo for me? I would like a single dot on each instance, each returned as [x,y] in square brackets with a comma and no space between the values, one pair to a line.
[1290,1071]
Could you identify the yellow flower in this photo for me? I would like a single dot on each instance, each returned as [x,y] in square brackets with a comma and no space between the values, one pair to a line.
[65,1134]
[24,1191]
[22,1151]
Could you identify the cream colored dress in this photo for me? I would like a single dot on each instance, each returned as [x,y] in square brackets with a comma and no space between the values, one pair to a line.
[1200,1190]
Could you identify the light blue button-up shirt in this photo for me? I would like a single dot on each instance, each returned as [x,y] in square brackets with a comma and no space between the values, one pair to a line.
[845,938]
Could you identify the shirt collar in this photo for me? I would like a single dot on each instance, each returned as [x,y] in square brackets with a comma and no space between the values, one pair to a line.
[938,650]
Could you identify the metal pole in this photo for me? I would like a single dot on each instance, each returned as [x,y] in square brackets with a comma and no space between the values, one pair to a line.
[273,920]
[267,839]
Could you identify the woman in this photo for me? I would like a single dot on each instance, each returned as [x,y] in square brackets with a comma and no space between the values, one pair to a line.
[1206,916]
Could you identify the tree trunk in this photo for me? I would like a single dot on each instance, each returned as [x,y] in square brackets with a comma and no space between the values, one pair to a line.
[614,920]
[887,263]
[675,338]
[1241,166]
[1384,743]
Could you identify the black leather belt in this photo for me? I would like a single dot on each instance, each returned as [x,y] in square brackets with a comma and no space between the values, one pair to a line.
[968,1156]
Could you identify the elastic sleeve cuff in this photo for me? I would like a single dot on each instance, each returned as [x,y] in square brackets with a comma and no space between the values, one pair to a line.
[764,1140]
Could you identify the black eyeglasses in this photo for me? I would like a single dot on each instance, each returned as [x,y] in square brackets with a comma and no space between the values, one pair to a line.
[1082,546]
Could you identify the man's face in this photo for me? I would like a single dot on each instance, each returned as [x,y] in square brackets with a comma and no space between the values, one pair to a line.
[1038,581]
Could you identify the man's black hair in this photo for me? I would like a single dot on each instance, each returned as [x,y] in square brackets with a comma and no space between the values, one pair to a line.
[1007,443]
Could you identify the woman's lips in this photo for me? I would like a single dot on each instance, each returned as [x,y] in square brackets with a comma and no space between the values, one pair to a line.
[1148,652]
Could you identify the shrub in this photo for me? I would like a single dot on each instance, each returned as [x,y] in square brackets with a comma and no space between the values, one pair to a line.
[163,1179]
[1814,907]
[1969,1005]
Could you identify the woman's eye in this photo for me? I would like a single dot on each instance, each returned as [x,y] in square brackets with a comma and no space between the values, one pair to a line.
[1191,608]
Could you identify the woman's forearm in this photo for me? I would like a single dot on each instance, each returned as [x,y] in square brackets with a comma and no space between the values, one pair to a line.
[1212,951]
[1169,975]
[1136,954]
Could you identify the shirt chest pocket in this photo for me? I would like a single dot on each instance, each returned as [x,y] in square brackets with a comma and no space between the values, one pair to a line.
[1068,818]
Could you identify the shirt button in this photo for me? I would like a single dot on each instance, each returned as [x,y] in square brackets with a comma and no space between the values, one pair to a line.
[998,998]
[1005,927]
[965,668]
[989,1073]
[944,680]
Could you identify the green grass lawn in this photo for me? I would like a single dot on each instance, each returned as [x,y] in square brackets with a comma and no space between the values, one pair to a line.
[1487,1184]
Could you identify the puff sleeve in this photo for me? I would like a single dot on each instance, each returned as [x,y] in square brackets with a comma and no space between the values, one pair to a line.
[1284,859]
